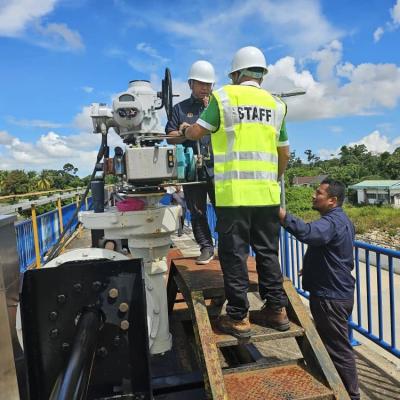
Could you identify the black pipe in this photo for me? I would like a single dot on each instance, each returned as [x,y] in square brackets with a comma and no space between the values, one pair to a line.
[73,382]
[97,187]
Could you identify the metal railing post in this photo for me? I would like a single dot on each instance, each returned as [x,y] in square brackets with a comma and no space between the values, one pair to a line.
[60,216]
[35,235]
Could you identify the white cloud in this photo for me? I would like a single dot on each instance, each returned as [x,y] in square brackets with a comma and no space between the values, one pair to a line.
[391,25]
[23,19]
[339,89]
[59,37]
[33,123]
[336,129]
[82,120]
[5,138]
[375,142]
[378,34]
[150,51]
[395,13]
[15,15]
[299,25]
[115,52]
[52,150]
[53,145]
[87,89]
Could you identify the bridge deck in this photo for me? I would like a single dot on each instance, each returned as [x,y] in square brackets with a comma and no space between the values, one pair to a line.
[379,377]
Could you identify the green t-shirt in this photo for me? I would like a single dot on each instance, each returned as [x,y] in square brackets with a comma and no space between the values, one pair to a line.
[209,119]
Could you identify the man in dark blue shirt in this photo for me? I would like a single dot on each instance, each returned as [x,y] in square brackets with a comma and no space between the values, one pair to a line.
[201,80]
[327,267]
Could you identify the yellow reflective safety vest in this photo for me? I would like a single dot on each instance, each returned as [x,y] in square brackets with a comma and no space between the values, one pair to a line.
[244,147]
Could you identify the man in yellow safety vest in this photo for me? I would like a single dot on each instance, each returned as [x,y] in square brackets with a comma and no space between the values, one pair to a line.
[251,151]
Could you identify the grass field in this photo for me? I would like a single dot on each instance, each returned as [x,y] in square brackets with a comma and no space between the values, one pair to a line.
[366,218]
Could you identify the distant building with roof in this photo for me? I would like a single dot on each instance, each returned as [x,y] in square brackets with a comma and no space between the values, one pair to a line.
[378,192]
[309,181]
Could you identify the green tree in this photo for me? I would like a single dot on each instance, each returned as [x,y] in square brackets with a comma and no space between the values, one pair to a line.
[44,181]
[294,161]
[391,165]
[16,182]
[68,168]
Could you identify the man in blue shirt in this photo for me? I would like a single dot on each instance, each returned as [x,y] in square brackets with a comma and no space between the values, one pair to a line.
[327,267]
[201,80]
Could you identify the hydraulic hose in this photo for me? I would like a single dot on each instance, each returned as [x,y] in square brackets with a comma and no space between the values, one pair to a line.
[73,382]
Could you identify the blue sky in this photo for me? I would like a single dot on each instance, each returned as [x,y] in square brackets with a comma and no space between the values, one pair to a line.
[59,56]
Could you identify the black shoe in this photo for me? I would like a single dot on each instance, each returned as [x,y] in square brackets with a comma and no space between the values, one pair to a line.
[205,256]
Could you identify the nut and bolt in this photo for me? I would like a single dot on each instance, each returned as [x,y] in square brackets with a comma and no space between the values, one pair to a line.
[102,352]
[113,293]
[78,287]
[53,315]
[124,325]
[123,307]
[96,285]
[61,298]
[65,346]
[54,333]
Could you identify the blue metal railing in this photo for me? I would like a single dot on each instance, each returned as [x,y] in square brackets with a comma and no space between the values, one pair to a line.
[377,285]
[48,232]
[376,299]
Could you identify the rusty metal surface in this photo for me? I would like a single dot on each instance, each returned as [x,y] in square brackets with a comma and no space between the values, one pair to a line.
[260,331]
[208,278]
[174,253]
[206,347]
[278,383]
[311,345]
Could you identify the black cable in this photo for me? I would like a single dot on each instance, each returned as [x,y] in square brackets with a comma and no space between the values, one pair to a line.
[56,249]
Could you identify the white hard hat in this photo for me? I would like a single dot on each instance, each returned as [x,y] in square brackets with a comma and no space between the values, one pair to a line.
[202,71]
[248,57]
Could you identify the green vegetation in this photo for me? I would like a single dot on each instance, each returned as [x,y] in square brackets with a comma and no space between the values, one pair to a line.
[352,165]
[20,182]
[365,218]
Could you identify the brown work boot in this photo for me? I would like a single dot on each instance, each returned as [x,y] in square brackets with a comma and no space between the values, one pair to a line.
[239,328]
[276,318]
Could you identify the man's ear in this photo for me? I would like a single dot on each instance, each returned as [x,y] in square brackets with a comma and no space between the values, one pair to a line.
[234,76]
[333,201]
[190,83]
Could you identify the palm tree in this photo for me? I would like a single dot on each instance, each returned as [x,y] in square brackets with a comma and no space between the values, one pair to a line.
[44,182]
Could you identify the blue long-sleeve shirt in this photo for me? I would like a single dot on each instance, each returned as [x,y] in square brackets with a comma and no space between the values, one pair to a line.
[329,260]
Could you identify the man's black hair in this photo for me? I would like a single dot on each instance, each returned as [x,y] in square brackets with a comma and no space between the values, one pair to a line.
[335,189]
[256,69]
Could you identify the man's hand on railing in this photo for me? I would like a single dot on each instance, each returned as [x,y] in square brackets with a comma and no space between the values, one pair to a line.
[282,215]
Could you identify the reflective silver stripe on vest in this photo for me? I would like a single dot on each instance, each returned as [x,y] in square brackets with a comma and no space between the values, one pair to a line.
[259,175]
[246,155]
[279,114]
[228,119]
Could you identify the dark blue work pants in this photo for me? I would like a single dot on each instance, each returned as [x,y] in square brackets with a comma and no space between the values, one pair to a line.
[331,320]
[196,202]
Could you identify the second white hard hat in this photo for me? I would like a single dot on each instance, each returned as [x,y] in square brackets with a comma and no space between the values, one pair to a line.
[202,71]
[248,57]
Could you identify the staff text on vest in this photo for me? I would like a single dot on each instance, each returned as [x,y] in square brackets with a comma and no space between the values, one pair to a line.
[254,113]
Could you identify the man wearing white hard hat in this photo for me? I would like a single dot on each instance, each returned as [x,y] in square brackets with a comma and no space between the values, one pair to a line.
[201,79]
[251,151]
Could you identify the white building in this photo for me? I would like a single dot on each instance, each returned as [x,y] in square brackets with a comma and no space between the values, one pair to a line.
[378,192]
